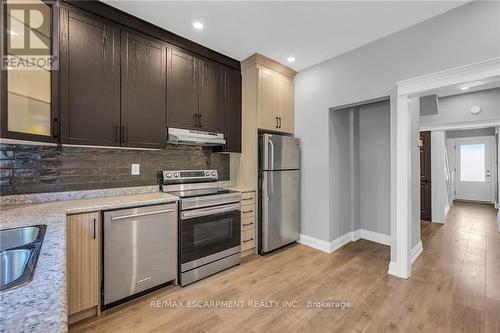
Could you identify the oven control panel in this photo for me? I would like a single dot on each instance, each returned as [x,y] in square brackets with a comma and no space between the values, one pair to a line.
[188,176]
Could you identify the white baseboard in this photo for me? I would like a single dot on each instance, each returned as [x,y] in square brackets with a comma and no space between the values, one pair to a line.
[416,251]
[375,237]
[315,243]
[395,270]
[329,247]
[498,220]
[446,211]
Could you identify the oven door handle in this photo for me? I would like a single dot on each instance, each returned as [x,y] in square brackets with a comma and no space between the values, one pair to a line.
[209,211]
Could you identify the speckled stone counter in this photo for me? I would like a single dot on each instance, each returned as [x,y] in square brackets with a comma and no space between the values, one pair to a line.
[40,306]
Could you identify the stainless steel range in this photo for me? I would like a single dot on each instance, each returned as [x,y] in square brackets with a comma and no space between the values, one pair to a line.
[209,223]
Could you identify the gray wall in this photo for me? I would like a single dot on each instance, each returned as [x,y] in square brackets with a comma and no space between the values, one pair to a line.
[340,177]
[374,167]
[455,109]
[488,131]
[466,35]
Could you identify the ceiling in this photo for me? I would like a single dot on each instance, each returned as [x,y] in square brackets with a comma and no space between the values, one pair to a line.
[309,31]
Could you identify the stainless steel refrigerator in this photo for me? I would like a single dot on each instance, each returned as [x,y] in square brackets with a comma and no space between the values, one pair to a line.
[279,191]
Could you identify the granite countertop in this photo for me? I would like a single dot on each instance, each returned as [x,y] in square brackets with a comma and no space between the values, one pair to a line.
[40,306]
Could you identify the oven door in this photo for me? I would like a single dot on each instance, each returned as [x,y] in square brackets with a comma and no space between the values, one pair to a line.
[207,233]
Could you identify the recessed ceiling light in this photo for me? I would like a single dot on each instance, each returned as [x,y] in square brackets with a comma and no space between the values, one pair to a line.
[198,25]
[291,59]
[464,88]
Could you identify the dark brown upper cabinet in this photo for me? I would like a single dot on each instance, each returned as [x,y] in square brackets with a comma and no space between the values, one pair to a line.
[232,81]
[143,91]
[195,93]
[211,97]
[90,79]
[182,90]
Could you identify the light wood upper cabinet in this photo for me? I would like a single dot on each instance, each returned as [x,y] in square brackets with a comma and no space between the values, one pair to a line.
[275,94]
[83,261]
[268,100]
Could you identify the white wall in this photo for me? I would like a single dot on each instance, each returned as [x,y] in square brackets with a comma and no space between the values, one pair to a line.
[469,133]
[439,177]
[414,107]
[455,110]
[468,34]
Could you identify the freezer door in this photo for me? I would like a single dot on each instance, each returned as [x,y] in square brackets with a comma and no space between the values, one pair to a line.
[280,208]
[279,152]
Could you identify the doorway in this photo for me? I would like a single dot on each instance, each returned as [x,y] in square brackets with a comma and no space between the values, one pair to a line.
[425,176]
[473,165]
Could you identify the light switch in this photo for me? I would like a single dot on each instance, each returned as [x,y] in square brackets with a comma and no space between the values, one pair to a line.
[136,169]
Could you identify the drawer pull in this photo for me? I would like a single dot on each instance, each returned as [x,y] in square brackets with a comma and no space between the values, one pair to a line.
[245,199]
[248,211]
[248,240]
[247,224]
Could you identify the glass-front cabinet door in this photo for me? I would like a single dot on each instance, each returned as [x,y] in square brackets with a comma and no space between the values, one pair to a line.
[29,67]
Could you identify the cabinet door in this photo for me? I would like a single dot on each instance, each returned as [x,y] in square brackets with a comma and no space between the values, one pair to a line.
[29,91]
[90,80]
[233,110]
[182,90]
[83,261]
[211,97]
[285,105]
[143,91]
[268,100]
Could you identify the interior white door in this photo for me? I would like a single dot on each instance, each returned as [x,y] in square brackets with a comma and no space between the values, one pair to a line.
[474,167]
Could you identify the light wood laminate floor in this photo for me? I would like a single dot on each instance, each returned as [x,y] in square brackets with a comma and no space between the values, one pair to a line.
[455,287]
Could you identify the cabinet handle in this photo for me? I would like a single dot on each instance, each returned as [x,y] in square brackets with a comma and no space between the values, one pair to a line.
[276,122]
[55,128]
[248,240]
[245,199]
[195,119]
[247,224]
[247,211]
[279,122]
[123,134]
[94,228]
[199,120]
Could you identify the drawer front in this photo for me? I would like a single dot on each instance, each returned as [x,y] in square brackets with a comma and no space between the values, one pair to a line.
[248,223]
[247,211]
[247,239]
[248,198]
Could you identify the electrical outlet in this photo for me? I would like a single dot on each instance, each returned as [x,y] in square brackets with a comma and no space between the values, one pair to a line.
[136,169]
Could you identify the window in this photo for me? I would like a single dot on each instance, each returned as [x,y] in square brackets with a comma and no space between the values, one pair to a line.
[472,162]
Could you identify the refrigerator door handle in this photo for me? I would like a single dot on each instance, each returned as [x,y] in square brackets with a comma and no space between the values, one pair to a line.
[269,185]
[271,154]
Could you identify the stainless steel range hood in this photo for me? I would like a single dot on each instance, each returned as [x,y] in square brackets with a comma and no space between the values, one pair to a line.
[192,137]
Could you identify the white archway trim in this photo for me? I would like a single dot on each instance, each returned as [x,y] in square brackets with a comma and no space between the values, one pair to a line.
[400,265]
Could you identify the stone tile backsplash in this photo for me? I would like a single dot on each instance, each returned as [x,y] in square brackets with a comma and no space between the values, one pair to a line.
[36,169]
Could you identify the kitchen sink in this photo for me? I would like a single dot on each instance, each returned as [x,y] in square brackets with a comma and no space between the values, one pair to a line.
[12,238]
[20,248]
[14,264]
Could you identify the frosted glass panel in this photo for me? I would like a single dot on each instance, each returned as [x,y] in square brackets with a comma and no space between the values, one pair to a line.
[28,115]
[472,163]
[29,90]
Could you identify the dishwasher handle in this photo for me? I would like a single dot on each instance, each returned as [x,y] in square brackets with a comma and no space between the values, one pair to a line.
[123,217]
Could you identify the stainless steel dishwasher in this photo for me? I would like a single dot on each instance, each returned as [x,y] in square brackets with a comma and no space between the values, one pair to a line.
[139,251]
